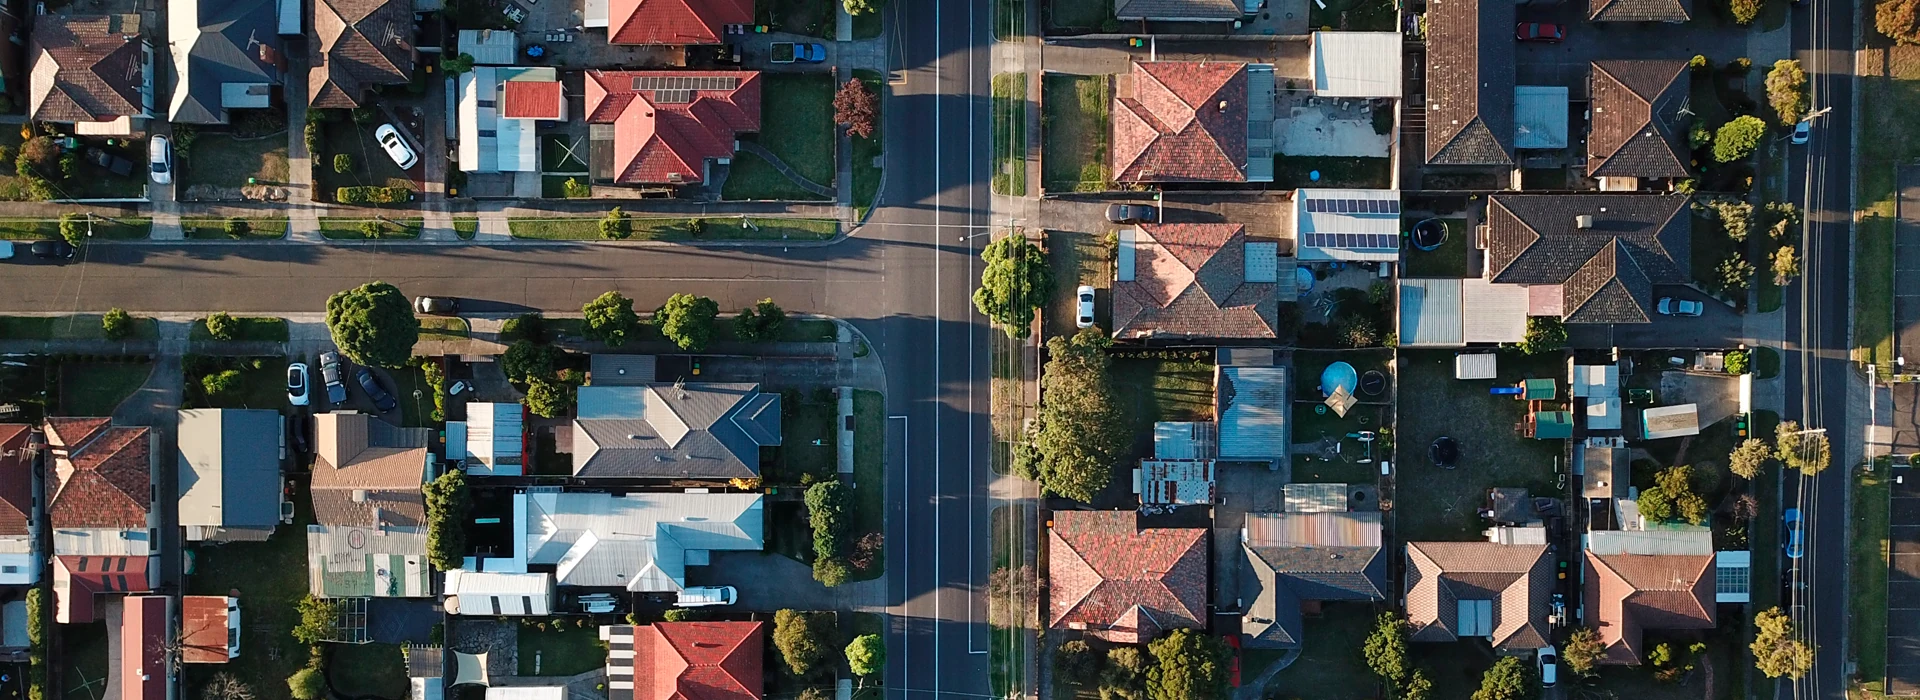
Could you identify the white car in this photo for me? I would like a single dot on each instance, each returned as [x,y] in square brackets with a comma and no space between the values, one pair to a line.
[297,388]
[1549,666]
[160,159]
[396,147]
[700,596]
[1802,133]
[233,628]
[1670,306]
[1085,295]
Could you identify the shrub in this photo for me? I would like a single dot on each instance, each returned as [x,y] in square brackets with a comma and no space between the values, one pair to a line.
[530,327]
[38,615]
[73,228]
[1738,138]
[317,623]
[457,64]
[1699,62]
[69,165]
[116,324]
[364,115]
[1544,334]
[237,227]
[315,141]
[1735,273]
[575,189]
[343,163]
[831,572]
[220,382]
[307,684]
[1786,264]
[372,229]
[372,195]
[221,326]
[696,226]
[40,155]
[760,322]
[827,511]
[1735,215]
[616,225]
[682,615]
[1787,91]
[447,502]
[526,361]
[803,638]
[1737,363]
[1699,136]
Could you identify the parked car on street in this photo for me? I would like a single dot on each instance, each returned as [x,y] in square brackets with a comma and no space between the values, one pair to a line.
[330,375]
[1792,538]
[700,596]
[1541,31]
[1670,306]
[6,250]
[160,159]
[396,147]
[52,250]
[381,399]
[1132,214]
[439,306]
[297,389]
[1085,296]
[1802,132]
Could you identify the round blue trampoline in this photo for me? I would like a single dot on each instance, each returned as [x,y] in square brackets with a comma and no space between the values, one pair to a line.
[1337,375]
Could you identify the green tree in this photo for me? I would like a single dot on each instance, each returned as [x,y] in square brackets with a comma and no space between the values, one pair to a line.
[1677,482]
[1507,680]
[73,228]
[447,503]
[610,318]
[530,327]
[1738,138]
[39,155]
[1803,450]
[1582,651]
[1656,504]
[760,322]
[343,163]
[1015,282]
[1386,650]
[803,638]
[221,326]
[307,684]
[237,227]
[1125,676]
[1080,431]
[221,382]
[526,361]
[1744,11]
[1735,272]
[1777,648]
[38,615]
[116,324]
[373,324]
[457,64]
[1419,687]
[317,621]
[1188,665]
[1749,458]
[575,189]
[1786,264]
[1737,363]
[1899,20]
[1544,334]
[616,225]
[1787,91]
[687,320]
[867,655]
[858,7]
[827,507]
[1075,663]
[548,398]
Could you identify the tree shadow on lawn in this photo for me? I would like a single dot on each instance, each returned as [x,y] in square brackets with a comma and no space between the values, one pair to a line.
[1441,504]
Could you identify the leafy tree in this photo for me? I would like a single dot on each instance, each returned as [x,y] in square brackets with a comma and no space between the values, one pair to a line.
[761,322]
[1544,334]
[447,502]
[1899,20]
[343,163]
[73,228]
[610,318]
[1787,91]
[855,106]
[1672,497]
[221,382]
[307,684]
[1738,138]
[116,324]
[529,327]
[1419,687]
[1745,507]
[827,512]
[1735,272]
[1125,675]
[683,615]
[859,7]
[1745,11]
[457,64]
[1735,215]
[867,655]
[1786,264]
[1080,431]
[1075,663]
[373,324]
[575,189]
[687,320]
[317,621]
[39,155]
[1507,680]
[1656,504]
[1015,282]
[802,638]
[1386,650]
[1737,363]
[1582,651]
[1660,655]
[1188,665]
[831,571]
[526,361]
[1749,457]
[616,225]
[1777,648]
[221,326]
[1805,451]
[547,398]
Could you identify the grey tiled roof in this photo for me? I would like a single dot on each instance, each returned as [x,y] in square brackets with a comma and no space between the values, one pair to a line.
[1284,575]
[1636,119]
[1608,271]
[1470,49]
[1177,9]
[237,42]
[1639,10]
[663,431]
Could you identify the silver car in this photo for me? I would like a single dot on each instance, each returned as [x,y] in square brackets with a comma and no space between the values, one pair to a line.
[297,390]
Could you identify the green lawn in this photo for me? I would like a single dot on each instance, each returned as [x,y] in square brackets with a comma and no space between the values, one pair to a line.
[1440,504]
[1330,666]
[1335,171]
[1449,260]
[870,471]
[96,389]
[26,327]
[444,328]
[466,227]
[1871,506]
[220,160]
[216,229]
[75,327]
[415,412]
[367,670]
[1009,19]
[583,228]
[1085,15]
[803,137]
[560,650]
[1010,134]
[371,166]
[809,419]
[1766,363]
[1889,97]
[1455,668]
[266,328]
[1723,652]
[555,186]
[1764,531]
[341,228]
[867,151]
[1074,130]
[1873,290]
[868,25]
[1006,657]
[1075,259]
[263,382]
[1359,15]
[123,228]
[82,659]
[271,577]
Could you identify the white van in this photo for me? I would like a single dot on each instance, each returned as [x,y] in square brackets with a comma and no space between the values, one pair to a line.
[699,596]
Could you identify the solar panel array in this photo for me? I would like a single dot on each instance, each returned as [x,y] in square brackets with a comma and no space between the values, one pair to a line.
[685,82]
[1353,206]
[1354,241]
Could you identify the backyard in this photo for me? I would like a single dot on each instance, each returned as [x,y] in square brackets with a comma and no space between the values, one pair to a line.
[83,660]
[1075,259]
[1449,260]
[261,383]
[1074,132]
[1354,15]
[554,648]
[1441,504]
[95,389]
[271,577]
[370,670]
[1010,134]
[807,441]
[1290,172]
[1330,666]
[1151,389]
[1313,420]
[803,138]
[220,164]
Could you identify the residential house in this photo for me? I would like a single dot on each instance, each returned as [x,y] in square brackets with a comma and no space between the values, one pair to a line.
[667,127]
[1347,225]
[1589,258]
[1293,559]
[146,669]
[1639,10]
[230,484]
[20,555]
[1640,115]
[92,71]
[500,107]
[1195,281]
[1479,589]
[1112,579]
[673,431]
[209,629]
[667,22]
[1666,579]
[494,439]
[100,506]
[492,594]
[673,660]
[369,537]
[1184,10]
[1470,91]
[642,542]
[356,46]
[1181,121]
[226,55]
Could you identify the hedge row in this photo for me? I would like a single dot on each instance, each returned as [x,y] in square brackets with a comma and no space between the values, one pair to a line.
[373,195]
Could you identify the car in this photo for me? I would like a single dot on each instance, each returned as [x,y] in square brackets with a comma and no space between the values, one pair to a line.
[1085,296]
[396,147]
[1792,538]
[381,399]
[160,159]
[297,429]
[700,596]
[233,627]
[1132,214]
[443,306]
[330,375]
[6,250]
[52,250]
[1802,132]
[1547,32]
[1670,306]
[1549,666]
[112,163]
[297,393]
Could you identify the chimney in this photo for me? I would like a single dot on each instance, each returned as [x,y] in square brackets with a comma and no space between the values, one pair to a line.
[1223,105]
[1583,221]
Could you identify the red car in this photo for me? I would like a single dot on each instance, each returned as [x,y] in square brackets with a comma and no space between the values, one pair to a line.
[1540,31]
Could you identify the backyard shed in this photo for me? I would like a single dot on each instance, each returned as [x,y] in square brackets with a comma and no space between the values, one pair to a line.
[1603,414]
[1356,64]
[1538,389]
[1552,425]
[1253,404]
[1596,381]
[488,593]
[1670,421]
[456,441]
[488,47]
[1174,482]
[1475,366]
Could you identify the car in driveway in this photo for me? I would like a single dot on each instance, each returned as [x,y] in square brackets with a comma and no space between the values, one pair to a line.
[109,162]
[1132,214]
[1802,132]
[1084,298]
[160,159]
[1791,539]
[1669,306]
[396,147]
[1549,663]
[1546,32]
[701,596]
[297,390]
[438,306]
[52,250]
[330,375]
[381,399]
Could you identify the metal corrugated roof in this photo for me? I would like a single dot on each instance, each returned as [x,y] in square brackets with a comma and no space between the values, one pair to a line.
[637,541]
[229,461]
[1357,64]
[1598,381]
[1687,540]
[493,440]
[1430,312]
[1539,116]
[1184,440]
[1254,404]
[1314,498]
[1670,421]
[1495,313]
[488,47]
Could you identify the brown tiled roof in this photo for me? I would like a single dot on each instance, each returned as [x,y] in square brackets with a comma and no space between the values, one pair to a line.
[356,45]
[356,453]
[1608,271]
[85,68]
[1636,119]
[203,629]
[1182,121]
[693,661]
[1630,593]
[1122,583]
[1517,578]
[1639,10]
[1191,280]
[532,99]
[1469,82]
[102,475]
[16,479]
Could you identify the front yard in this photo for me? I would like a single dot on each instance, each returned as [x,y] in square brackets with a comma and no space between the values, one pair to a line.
[1868,577]
[1076,259]
[1441,504]
[587,228]
[216,229]
[557,648]
[867,151]
[802,137]
[369,165]
[221,164]
[1889,97]
[1331,666]
[124,228]
[95,389]
[338,228]
[261,383]
[1074,132]
[246,328]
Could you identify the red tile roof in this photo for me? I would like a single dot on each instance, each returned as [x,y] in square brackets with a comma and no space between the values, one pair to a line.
[674,22]
[698,661]
[356,45]
[16,479]
[1191,280]
[1181,122]
[143,648]
[532,99]
[659,132]
[1122,583]
[79,581]
[102,474]
[203,629]
[1631,593]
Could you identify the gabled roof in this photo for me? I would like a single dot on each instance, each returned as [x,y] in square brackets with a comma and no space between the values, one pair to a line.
[79,581]
[1512,582]
[666,134]
[674,22]
[703,430]
[1178,10]
[1636,119]
[1192,280]
[357,45]
[1607,269]
[203,629]
[639,541]
[532,99]
[1649,580]
[16,480]
[1122,583]
[685,661]
[144,625]
[1295,557]
[86,68]
[229,468]
[1183,121]
[1470,49]
[362,466]
[1639,10]
[102,475]
[219,43]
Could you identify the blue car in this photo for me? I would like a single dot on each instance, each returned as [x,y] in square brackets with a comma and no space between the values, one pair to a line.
[1793,533]
[381,399]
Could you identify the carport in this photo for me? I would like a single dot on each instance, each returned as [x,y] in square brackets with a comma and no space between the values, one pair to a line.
[1903,587]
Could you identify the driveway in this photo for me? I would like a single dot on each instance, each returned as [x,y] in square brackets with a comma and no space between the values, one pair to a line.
[1719,327]
[768,581]
[1567,63]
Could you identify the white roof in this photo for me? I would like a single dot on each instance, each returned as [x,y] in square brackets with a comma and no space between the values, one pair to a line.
[1671,421]
[527,692]
[1343,224]
[1480,365]
[1603,414]
[1598,381]
[1686,540]
[290,16]
[1494,313]
[487,593]
[493,439]
[488,142]
[1356,64]
[488,47]
[638,541]
[1733,576]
